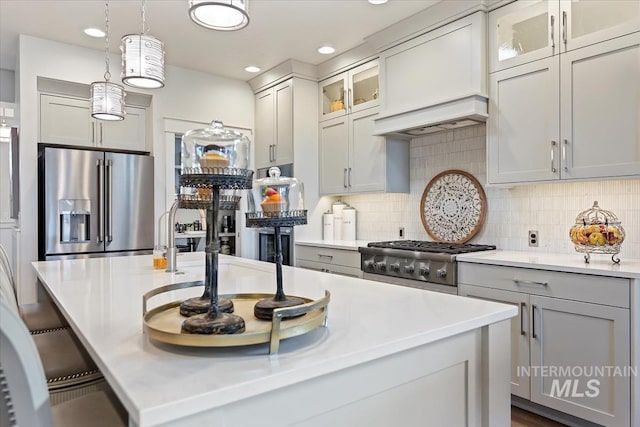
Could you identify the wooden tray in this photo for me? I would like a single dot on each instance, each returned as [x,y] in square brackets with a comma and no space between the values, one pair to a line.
[163,323]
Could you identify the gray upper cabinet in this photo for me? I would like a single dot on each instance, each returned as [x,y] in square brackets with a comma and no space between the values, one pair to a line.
[67,120]
[552,119]
[353,160]
[274,125]
[525,31]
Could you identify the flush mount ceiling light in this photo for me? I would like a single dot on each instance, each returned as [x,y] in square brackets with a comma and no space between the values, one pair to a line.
[252,69]
[326,50]
[107,99]
[142,58]
[223,15]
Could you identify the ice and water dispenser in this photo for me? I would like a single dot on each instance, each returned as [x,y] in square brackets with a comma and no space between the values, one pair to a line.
[75,216]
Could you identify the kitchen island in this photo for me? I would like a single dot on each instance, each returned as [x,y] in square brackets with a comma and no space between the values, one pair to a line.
[389,355]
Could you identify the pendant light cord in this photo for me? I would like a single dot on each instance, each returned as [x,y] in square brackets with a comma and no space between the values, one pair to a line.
[107,74]
[143,25]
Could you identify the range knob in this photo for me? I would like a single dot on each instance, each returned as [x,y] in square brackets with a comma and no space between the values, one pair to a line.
[380,265]
[368,263]
[394,267]
[424,270]
[441,272]
[409,268]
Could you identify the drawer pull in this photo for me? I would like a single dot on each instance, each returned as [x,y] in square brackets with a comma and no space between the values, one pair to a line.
[330,257]
[522,308]
[529,282]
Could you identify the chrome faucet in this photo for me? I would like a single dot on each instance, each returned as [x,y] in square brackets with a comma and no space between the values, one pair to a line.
[172,250]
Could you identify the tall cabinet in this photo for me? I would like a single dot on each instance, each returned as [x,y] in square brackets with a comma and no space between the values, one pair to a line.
[274,125]
[351,158]
[564,79]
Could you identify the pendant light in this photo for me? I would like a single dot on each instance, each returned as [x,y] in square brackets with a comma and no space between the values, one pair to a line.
[107,99]
[223,15]
[142,58]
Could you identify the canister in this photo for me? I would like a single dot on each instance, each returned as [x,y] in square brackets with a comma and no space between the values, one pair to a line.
[349,223]
[337,208]
[327,225]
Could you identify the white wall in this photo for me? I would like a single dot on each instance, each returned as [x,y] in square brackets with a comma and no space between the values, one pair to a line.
[187,95]
[549,208]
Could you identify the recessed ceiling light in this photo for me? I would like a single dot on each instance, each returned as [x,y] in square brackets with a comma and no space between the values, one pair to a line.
[378,1]
[94,32]
[252,69]
[326,50]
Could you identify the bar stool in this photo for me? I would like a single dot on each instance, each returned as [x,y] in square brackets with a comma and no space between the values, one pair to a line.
[24,398]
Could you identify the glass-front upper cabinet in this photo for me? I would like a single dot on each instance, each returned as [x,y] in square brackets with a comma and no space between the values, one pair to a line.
[585,22]
[522,32]
[351,91]
[528,30]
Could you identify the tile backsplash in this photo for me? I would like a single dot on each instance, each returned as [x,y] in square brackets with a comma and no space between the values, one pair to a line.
[550,209]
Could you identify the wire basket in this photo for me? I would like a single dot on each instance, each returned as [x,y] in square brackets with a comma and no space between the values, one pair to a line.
[597,231]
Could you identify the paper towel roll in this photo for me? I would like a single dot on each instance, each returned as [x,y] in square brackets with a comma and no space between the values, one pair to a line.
[337,208]
[349,223]
[327,225]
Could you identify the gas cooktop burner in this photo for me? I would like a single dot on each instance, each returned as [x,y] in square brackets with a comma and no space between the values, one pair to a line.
[434,247]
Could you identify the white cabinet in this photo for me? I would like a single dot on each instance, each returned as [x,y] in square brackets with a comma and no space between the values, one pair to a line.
[569,116]
[352,160]
[349,92]
[331,260]
[67,120]
[274,125]
[525,31]
[571,330]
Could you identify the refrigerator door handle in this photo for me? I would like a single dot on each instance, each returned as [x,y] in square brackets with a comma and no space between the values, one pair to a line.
[109,213]
[100,236]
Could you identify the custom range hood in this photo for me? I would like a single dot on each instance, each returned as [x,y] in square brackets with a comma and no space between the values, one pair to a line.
[466,111]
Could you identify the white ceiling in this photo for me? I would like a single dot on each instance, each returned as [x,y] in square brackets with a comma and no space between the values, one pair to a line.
[278,29]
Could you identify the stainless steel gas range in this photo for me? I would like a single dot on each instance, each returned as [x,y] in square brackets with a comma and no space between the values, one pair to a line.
[418,264]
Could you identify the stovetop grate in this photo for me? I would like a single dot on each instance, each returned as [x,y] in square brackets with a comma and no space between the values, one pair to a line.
[435,247]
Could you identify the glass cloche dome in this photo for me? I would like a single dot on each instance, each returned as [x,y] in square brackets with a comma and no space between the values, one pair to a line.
[276,197]
[214,150]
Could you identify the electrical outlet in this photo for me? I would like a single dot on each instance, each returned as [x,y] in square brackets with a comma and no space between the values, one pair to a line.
[533,238]
[401,233]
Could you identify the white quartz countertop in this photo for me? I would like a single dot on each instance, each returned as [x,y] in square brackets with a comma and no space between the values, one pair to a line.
[351,245]
[600,265]
[160,383]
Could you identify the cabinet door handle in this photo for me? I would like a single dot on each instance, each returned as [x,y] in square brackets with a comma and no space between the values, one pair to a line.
[523,306]
[533,321]
[275,152]
[271,153]
[93,133]
[349,180]
[564,27]
[349,99]
[564,155]
[553,31]
[345,96]
[529,282]
[553,150]
[344,178]
[101,134]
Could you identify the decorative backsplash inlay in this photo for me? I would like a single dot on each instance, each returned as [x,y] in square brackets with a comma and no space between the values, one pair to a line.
[550,209]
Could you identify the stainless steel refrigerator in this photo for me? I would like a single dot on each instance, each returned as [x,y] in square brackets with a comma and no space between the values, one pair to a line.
[93,203]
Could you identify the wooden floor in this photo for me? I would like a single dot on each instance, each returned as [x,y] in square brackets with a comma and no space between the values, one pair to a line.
[522,418]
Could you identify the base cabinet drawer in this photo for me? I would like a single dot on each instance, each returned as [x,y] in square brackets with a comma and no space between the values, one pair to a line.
[329,268]
[612,291]
[330,256]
